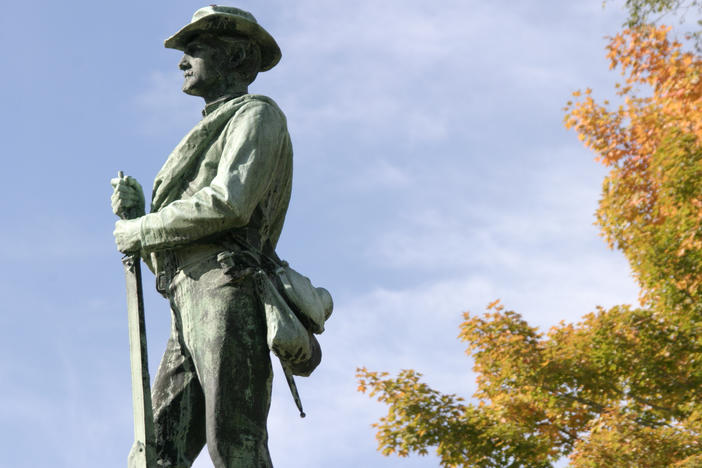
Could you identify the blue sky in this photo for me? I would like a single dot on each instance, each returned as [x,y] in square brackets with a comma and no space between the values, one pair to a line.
[432,176]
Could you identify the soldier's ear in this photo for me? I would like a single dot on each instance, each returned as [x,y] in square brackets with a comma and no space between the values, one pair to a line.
[237,54]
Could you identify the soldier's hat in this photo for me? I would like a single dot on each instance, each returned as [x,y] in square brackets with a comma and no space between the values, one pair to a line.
[222,20]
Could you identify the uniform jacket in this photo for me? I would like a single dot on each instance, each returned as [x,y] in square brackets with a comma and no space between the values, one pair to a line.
[232,173]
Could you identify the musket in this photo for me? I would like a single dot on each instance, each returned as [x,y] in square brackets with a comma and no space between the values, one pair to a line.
[142,454]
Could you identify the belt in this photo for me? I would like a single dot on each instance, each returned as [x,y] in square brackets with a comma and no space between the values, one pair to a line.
[175,260]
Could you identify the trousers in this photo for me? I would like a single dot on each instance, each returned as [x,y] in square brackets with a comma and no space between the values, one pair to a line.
[213,385]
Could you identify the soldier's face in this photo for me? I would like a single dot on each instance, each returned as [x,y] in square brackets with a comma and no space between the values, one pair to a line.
[200,68]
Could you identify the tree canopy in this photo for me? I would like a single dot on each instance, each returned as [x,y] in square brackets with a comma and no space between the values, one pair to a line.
[622,386]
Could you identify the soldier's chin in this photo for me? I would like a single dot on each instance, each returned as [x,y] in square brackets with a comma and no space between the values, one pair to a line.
[191,90]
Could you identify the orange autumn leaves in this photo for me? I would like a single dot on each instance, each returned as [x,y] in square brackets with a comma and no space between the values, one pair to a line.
[651,206]
[672,98]
[622,386]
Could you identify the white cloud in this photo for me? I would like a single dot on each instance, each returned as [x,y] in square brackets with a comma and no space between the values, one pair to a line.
[435,137]
[379,174]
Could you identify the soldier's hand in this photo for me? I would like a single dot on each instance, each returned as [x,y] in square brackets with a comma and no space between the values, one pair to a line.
[127,198]
[127,235]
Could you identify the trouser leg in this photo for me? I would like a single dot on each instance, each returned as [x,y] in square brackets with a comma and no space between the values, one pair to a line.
[178,404]
[226,333]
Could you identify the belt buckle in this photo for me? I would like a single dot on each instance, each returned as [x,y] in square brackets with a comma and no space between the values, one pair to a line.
[162,282]
[226,261]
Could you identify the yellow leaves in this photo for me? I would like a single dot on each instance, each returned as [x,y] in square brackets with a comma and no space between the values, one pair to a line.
[646,57]
[495,305]
[647,141]
[618,439]
[569,123]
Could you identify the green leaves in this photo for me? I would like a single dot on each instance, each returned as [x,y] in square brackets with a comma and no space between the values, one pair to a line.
[621,385]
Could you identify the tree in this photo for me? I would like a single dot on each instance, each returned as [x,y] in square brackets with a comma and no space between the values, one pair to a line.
[647,12]
[651,207]
[621,387]
[643,12]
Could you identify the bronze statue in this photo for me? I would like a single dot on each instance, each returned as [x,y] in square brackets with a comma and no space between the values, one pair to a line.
[217,211]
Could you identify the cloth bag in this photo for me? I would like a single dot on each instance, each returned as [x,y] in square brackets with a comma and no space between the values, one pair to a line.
[313,306]
[287,337]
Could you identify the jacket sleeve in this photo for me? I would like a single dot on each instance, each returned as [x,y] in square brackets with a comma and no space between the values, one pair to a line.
[253,138]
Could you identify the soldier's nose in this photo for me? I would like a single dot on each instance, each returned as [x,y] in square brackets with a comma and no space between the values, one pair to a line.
[183,64]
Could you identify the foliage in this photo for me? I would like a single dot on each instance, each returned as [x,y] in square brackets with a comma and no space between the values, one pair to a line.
[647,11]
[643,12]
[651,206]
[621,387]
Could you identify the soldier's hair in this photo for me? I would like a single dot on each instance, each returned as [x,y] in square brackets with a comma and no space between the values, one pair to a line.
[232,47]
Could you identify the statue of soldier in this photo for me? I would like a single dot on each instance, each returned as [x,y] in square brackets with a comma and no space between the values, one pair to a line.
[218,206]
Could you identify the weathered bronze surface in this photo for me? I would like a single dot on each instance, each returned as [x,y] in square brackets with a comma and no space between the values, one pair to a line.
[217,211]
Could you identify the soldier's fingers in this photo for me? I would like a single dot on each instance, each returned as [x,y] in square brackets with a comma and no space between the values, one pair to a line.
[118,196]
[121,205]
[131,181]
[123,188]
[121,200]
[118,209]
[129,202]
[120,182]
[127,191]
[118,204]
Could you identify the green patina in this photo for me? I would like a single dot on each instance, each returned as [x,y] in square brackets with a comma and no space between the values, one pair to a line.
[218,207]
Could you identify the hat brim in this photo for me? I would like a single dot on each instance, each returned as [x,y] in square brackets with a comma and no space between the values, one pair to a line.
[220,24]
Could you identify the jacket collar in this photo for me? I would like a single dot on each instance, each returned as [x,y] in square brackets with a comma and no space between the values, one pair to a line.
[211,107]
